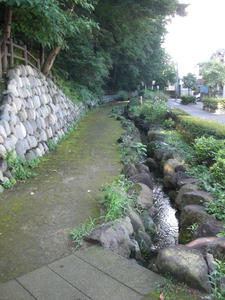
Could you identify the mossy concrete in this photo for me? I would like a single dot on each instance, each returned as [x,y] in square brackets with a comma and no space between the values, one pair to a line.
[37,215]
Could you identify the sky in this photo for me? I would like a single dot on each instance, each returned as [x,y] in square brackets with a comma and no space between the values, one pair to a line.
[194,38]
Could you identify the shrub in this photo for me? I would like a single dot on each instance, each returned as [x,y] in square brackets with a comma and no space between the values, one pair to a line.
[187,99]
[214,103]
[206,149]
[169,123]
[218,170]
[192,127]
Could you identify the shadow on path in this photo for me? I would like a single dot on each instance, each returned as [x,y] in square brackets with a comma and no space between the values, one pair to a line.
[36,216]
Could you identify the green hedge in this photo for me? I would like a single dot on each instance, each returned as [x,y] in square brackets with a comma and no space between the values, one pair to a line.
[214,103]
[187,99]
[192,128]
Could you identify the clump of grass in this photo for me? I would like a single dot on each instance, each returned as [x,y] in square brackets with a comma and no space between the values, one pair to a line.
[78,235]
[21,169]
[116,200]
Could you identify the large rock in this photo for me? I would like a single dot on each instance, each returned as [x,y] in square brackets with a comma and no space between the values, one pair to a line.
[191,214]
[193,197]
[177,180]
[148,223]
[136,221]
[142,168]
[172,166]
[151,163]
[143,178]
[114,236]
[129,170]
[186,265]
[211,228]
[185,188]
[214,245]
[145,197]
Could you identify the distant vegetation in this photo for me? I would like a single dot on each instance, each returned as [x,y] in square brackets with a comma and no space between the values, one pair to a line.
[92,45]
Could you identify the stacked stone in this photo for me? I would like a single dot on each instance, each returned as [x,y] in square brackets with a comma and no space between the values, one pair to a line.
[32,112]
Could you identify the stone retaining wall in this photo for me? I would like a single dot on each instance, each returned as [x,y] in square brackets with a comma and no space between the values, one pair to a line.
[33,111]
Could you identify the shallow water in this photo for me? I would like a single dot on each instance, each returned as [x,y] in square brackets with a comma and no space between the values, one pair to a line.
[164,217]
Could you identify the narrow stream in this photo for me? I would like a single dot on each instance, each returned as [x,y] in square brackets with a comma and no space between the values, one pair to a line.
[167,229]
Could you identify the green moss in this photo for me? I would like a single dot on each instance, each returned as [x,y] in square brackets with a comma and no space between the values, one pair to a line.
[36,214]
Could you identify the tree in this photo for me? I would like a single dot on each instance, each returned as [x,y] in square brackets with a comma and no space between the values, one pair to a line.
[190,82]
[213,73]
[46,22]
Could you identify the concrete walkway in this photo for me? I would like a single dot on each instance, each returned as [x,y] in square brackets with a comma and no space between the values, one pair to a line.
[196,111]
[37,215]
[94,273]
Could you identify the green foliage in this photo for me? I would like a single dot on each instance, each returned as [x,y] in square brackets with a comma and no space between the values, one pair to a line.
[116,200]
[190,81]
[206,149]
[193,127]
[8,184]
[169,123]
[214,103]
[154,108]
[21,168]
[218,170]
[213,73]
[78,235]
[221,232]
[216,277]
[187,99]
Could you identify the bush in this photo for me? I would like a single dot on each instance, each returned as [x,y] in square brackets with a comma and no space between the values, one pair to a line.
[187,99]
[169,123]
[155,96]
[206,149]
[192,128]
[214,103]
[218,170]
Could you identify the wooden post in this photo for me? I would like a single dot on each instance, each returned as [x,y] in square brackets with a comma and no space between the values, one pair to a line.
[0,61]
[5,52]
[42,55]
[25,55]
[141,100]
[38,64]
[11,53]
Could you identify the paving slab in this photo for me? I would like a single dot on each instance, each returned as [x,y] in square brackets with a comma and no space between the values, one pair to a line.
[44,284]
[12,290]
[129,273]
[91,281]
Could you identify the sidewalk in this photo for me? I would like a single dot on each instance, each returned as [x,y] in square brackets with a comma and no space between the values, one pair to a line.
[94,273]
[196,111]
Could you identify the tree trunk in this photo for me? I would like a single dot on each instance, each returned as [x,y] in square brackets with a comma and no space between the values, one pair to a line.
[8,21]
[50,60]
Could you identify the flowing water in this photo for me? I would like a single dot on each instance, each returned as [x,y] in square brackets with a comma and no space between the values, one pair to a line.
[164,217]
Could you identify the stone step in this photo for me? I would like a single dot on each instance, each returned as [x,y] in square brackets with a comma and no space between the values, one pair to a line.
[93,273]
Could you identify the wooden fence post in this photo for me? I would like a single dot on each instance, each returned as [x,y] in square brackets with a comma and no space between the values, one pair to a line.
[38,64]
[11,59]
[25,55]
[5,59]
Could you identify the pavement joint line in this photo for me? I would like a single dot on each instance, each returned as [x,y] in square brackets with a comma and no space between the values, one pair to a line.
[29,292]
[110,276]
[69,283]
